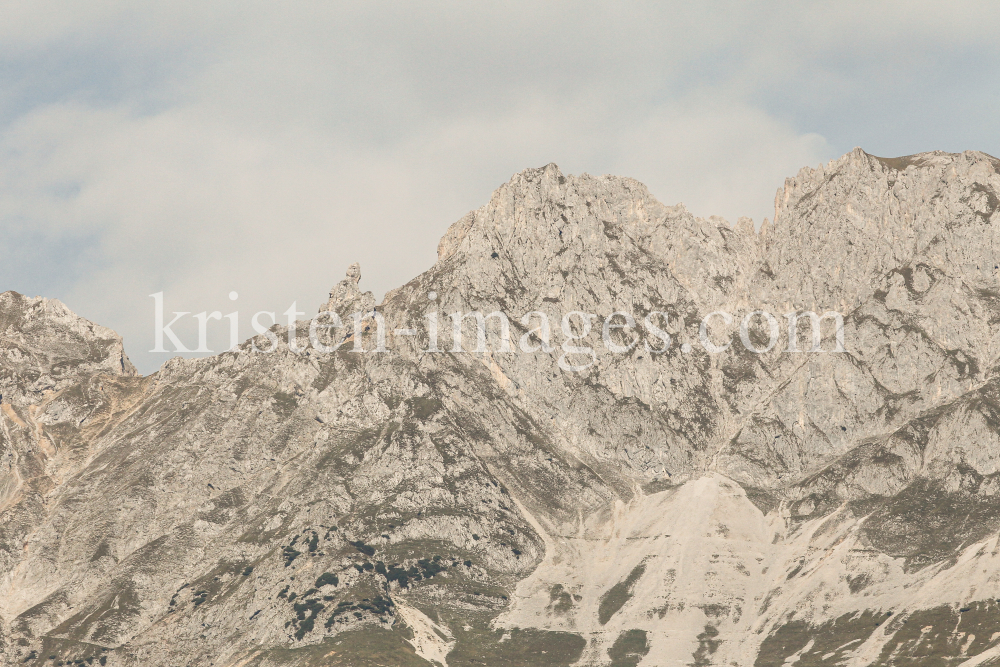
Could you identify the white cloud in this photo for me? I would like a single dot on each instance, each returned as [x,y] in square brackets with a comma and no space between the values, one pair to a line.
[262,148]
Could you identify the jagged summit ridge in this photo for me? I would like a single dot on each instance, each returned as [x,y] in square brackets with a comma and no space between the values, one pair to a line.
[461,508]
[42,340]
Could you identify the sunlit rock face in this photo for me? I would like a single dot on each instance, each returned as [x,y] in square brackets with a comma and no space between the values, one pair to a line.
[651,504]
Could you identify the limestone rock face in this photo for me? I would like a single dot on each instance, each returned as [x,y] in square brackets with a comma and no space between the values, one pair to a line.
[631,498]
[346,297]
[46,347]
[58,374]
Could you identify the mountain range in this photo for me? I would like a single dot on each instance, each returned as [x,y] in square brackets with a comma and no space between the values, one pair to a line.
[446,503]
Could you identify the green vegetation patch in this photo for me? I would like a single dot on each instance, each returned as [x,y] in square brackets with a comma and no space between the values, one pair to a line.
[831,641]
[629,649]
[368,647]
[366,549]
[657,486]
[616,596]
[289,554]
[524,648]
[105,622]
[305,616]
[377,606]
[327,579]
[560,600]
[708,644]
[950,638]
[927,524]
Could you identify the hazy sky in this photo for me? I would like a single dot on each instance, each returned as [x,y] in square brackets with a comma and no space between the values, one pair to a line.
[198,148]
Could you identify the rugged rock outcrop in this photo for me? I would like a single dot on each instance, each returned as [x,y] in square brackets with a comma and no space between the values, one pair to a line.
[469,504]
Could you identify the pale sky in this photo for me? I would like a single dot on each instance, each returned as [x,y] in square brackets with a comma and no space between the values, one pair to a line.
[199,148]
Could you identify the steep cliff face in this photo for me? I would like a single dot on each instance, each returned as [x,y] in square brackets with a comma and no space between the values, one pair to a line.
[488,506]
[61,378]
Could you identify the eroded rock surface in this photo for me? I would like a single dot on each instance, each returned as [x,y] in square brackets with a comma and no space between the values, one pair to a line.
[470,507]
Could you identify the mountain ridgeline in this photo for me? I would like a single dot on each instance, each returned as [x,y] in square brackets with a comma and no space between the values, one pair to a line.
[659,507]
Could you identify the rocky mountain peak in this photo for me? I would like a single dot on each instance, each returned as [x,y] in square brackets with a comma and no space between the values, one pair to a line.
[45,347]
[753,505]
